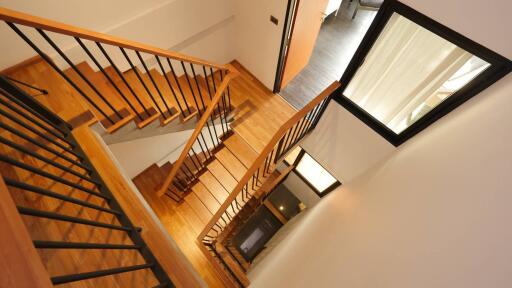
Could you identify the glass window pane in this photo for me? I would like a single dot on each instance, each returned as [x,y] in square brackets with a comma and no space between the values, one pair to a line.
[314,173]
[408,72]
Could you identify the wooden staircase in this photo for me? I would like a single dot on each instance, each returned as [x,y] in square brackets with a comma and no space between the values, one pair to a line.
[200,196]
[82,92]
[215,182]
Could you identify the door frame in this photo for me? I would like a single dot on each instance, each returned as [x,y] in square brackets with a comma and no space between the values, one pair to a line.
[291,16]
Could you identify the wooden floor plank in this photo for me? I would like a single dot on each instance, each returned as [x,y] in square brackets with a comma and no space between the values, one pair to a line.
[218,191]
[206,197]
[220,172]
[241,150]
[199,208]
[231,163]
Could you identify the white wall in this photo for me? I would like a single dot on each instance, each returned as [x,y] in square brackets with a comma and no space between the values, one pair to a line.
[434,213]
[257,40]
[215,30]
[183,24]
[137,155]
[336,143]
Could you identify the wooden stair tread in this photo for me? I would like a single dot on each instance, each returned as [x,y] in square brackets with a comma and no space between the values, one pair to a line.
[201,211]
[231,163]
[241,149]
[218,191]
[190,216]
[220,172]
[139,92]
[187,94]
[206,197]
[62,98]
[105,91]
[167,106]
[163,85]
[101,84]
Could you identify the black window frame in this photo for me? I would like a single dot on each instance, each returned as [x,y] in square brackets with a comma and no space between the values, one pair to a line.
[499,67]
[305,180]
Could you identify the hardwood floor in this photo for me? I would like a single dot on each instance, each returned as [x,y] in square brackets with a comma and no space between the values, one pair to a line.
[338,40]
[259,112]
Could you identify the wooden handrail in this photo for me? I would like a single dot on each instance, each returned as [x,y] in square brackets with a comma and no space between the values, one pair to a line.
[22,266]
[54,26]
[199,127]
[264,153]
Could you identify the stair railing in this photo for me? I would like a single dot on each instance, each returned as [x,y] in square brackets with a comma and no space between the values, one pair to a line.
[287,136]
[208,135]
[40,156]
[141,96]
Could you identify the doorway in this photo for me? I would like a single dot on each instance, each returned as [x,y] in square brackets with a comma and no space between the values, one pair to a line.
[318,42]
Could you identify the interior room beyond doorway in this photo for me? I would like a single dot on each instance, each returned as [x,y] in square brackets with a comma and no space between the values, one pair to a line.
[340,34]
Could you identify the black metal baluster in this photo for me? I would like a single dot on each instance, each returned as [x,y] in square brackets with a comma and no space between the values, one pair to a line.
[140,79]
[169,83]
[200,162]
[18,82]
[211,115]
[265,165]
[217,106]
[46,160]
[197,85]
[191,89]
[179,86]
[49,149]
[224,112]
[184,169]
[303,125]
[82,76]
[32,120]
[72,219]
[88,52]
[48,193]
[288,141]
[121,76]
[310,124]
[44,244]
[227,90]
[299,125]
[279,150]
[196,158]
[35,131]
[220,112]
[154,84]
[48,175]
[37,114]
[283,146]
[207,153]
[323,105]
[100,273]
[258,174]
[247,190]
[57,69]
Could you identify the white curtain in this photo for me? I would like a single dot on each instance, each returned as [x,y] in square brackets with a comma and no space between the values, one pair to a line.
[407,65]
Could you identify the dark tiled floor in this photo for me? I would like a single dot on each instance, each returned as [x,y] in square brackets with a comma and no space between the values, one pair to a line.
[336,43]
